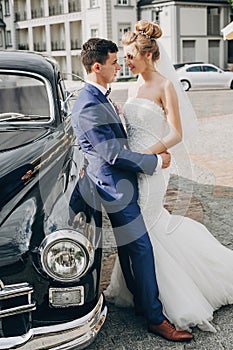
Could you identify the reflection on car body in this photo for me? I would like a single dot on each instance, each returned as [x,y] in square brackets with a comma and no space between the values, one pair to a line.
[50,237]
[204,75]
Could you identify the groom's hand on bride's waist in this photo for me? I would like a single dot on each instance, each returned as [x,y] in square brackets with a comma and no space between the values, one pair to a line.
[166,159]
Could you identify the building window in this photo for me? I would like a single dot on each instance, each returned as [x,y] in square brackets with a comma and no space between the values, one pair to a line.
[155,14]
[123,2]
[189,53]
[7,8]
[214,52]
[230,51]
[74,6]
[122,28]
[213,21]
[94,33]
[8,38]
[93,3]
[124,71]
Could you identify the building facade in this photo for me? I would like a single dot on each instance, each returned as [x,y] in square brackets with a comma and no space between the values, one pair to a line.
[59,27]
[191,29]
[7,26]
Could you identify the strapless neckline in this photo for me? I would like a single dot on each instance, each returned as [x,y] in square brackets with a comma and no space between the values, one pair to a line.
[147,100]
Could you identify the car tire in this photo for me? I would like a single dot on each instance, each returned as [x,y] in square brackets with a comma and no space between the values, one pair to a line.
[231,86]
[185,84]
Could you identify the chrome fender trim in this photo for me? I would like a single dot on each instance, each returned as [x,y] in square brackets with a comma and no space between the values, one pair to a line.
[76,334]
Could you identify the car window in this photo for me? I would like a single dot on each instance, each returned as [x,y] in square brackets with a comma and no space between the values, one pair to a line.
[209,69]
[23,95]
[194,69]
[65,105]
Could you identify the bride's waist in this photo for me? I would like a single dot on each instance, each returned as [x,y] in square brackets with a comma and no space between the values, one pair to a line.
[158,175]
[138,145]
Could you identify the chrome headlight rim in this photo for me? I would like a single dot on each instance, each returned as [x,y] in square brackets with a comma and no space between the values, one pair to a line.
[73,237]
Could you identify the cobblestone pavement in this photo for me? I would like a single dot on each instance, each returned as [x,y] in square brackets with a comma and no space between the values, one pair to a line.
[211,203]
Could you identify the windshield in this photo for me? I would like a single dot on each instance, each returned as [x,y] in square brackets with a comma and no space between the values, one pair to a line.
[23,96]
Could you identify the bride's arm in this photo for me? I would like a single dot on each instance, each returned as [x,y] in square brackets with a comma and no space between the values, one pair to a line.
[171,107]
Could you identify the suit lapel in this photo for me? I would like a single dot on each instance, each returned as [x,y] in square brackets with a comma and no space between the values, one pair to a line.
[103,99]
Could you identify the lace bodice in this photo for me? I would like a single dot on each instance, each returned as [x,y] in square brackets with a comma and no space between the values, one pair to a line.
[145,123]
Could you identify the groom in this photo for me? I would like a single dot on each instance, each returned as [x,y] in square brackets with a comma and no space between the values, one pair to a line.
[113,168]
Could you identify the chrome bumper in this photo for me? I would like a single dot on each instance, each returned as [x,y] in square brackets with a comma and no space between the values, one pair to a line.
[76,334]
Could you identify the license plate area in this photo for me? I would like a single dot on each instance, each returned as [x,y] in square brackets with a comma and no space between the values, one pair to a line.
[65,297]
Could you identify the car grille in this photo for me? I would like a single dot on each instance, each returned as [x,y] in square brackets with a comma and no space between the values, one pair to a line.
[11,295]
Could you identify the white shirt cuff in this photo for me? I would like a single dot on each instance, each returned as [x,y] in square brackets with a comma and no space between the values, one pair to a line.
[159,163]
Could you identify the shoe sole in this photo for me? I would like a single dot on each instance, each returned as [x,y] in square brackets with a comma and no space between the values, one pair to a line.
[187,340]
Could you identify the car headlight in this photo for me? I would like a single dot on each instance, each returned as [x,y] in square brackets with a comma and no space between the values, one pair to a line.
[66,255]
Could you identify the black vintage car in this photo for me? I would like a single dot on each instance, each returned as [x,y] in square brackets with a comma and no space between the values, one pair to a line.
[50,251]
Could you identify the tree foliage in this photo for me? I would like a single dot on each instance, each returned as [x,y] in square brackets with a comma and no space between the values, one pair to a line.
[231,3]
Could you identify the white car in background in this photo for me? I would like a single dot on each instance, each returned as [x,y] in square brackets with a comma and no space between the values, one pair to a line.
[204,75]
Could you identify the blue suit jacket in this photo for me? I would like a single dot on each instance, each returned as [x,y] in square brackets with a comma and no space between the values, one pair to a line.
[111,165]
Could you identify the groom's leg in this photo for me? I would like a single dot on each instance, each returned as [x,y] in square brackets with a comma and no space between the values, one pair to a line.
[142,257]
[134,243]
[128,223]
[124,259]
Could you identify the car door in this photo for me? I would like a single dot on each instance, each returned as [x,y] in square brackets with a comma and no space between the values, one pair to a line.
[214,76]
[195,76]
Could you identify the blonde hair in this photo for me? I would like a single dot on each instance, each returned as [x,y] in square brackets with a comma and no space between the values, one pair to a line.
[145,37]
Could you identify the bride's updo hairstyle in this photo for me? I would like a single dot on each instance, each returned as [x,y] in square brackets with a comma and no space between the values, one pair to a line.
[145,37]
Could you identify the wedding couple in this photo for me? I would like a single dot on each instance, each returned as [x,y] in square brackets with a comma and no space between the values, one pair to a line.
[170,268]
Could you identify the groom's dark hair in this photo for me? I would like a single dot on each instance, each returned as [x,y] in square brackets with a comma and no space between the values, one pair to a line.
[96,50]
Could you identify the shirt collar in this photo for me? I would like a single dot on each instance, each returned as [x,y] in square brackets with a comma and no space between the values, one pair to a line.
[98,86]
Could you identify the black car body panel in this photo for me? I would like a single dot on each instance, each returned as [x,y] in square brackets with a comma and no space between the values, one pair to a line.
[50,251]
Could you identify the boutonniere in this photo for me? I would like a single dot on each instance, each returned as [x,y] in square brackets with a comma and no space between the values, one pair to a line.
[118,108]
[120,113]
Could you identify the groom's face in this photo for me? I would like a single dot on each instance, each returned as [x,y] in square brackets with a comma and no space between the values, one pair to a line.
[108,70]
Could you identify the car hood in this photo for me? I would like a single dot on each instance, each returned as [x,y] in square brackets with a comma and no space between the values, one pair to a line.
[14,138]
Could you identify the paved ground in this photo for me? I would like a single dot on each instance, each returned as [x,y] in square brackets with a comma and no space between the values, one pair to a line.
[211,203]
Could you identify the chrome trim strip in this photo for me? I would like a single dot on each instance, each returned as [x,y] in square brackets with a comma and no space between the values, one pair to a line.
[12,291]
[76,334]
[16,290]
[1,285]
[17,310]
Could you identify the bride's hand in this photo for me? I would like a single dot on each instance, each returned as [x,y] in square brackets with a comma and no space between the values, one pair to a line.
[166,158]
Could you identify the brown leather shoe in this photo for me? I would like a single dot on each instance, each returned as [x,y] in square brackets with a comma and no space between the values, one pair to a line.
[168,331]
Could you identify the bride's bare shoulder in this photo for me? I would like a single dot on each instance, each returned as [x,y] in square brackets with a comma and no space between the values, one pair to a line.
[165,84]
[168,86]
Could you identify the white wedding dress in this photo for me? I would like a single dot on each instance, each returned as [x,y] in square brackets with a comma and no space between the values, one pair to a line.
[194,271]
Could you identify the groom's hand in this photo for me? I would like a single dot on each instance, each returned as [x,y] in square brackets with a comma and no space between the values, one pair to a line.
[166,159]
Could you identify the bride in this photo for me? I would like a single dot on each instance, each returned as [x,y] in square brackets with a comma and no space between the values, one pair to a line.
[194,271]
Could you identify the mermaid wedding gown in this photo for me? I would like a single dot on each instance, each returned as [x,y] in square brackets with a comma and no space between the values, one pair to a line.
[194,271]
